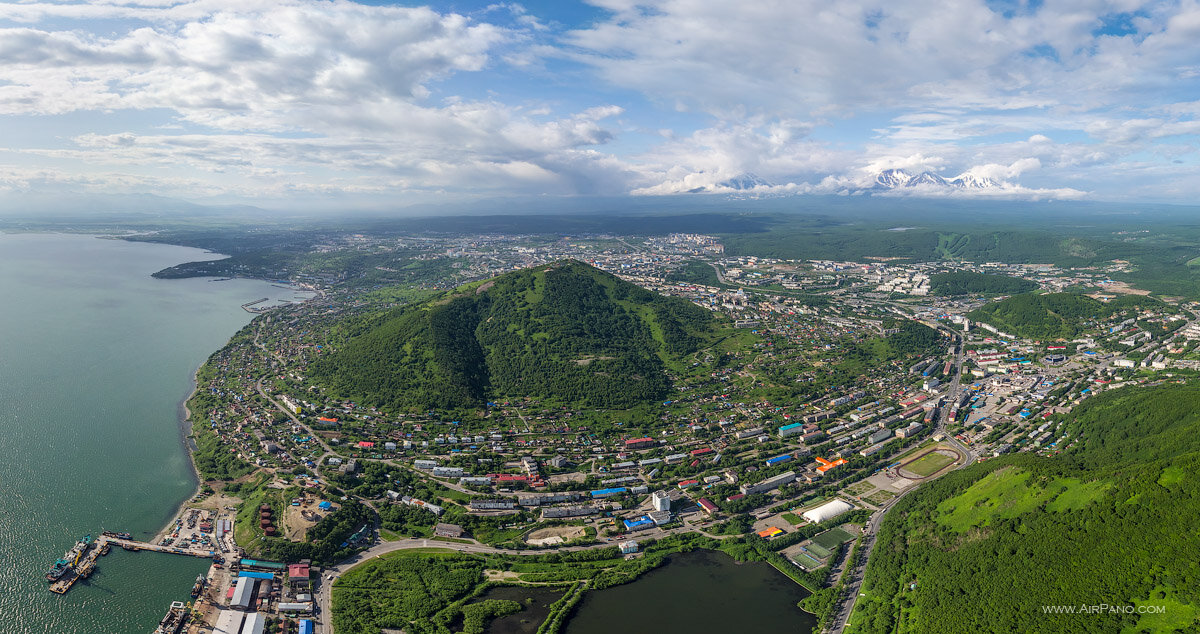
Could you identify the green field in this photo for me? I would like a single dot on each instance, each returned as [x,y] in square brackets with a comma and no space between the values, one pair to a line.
[833,537]
[929,464]
[818,550]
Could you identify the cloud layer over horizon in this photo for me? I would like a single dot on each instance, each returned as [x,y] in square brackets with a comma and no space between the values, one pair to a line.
[334,103]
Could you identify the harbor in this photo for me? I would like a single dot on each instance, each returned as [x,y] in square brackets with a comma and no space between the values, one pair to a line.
[80,561]
[236,595]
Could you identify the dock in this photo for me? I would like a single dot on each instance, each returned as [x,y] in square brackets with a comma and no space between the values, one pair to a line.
[86,563]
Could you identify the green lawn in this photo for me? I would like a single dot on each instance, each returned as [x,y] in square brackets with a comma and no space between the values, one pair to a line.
[929,464]
[792,518]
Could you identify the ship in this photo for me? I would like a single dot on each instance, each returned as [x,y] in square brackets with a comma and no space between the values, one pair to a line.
[175,619]
[61,566]
[199,587]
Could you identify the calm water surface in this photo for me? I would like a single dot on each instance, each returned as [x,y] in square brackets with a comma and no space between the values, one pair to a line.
[95,359]
[700,592]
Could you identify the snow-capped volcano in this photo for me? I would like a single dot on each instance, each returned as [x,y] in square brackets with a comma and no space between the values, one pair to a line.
[749,180]
[897,178]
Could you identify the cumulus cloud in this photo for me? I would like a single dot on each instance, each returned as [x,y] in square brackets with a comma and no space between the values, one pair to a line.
[278,97]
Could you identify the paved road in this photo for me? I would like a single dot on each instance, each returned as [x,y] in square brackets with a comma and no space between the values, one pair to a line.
[854,578]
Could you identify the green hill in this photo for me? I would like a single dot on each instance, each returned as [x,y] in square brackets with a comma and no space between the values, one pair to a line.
[565,332]
[1109,521]
[1054,315]
[968,283]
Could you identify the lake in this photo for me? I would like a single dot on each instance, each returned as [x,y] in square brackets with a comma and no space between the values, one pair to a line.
[696,593]
[96,358]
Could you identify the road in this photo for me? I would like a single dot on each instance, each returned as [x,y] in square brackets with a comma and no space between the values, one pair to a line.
[854,578]
[322,589]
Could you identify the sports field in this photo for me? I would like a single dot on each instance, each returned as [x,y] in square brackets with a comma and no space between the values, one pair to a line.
[928,464]
[830,539]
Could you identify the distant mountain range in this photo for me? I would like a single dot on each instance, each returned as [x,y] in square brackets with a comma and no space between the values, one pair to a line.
[899,179]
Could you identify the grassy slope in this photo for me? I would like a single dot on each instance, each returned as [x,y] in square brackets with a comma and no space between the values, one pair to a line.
[989,545]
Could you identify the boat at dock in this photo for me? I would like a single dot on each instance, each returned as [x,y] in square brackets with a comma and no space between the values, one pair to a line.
[174,620]
[69,560]
[199,587]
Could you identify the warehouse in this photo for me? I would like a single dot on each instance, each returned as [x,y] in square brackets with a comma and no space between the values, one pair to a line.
[242,593]
[255,623]
[230,622]
[827,511]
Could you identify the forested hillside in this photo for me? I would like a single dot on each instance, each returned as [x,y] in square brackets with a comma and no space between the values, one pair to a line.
[1109,521]
[566,332]
[1054,315]
[967,282]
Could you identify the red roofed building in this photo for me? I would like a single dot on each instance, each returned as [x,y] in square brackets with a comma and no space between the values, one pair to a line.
[688,484]
[507,477]
[639,443]
[707,505]
[701,452]
[298,574]
[366,444]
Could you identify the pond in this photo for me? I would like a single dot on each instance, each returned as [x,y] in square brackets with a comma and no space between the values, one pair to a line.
[695,593]
[526,621]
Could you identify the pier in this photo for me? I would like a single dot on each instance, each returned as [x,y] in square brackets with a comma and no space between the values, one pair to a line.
[86,563]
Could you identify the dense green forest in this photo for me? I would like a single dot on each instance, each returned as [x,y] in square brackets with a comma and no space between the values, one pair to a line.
[967,283]
[1109,521]
[1054,315]
[566,332]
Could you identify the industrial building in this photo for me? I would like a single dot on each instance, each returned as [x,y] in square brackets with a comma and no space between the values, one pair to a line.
[255,623]
[230,622]
[242,593]
[827,511]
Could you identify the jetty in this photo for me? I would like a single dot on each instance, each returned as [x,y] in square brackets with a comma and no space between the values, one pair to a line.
[86,563]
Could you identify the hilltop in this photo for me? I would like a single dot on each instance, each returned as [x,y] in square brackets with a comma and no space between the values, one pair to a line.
[1054,315]
[565,332]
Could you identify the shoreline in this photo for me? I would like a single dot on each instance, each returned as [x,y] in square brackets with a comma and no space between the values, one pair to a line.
[184,416]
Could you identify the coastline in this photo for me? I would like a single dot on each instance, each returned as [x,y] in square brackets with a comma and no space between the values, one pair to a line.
[184,415]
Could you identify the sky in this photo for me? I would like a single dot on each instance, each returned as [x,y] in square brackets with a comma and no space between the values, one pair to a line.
[335,103]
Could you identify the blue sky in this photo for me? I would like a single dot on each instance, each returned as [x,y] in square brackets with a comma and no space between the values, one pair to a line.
[334,103]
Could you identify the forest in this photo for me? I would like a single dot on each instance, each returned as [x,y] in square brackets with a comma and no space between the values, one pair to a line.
[970,283]
[1055,315]
[566,332]
[984,548]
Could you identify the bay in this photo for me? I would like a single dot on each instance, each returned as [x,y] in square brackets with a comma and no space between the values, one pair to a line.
[96,357]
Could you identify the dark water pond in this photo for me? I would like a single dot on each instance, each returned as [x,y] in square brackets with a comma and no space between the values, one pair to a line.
[696,593]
